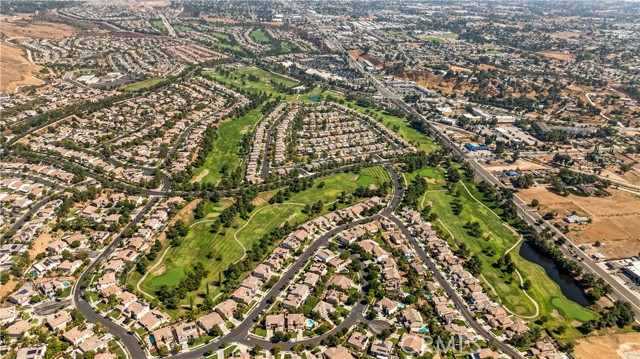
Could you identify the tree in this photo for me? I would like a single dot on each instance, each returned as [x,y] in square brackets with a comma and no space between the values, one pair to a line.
[535,203]
[276,350]
[474,265]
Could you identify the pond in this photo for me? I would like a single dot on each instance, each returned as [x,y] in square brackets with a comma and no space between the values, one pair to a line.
[315,98]
[568,285]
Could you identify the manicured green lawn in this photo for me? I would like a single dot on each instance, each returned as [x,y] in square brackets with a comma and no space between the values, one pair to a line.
[182,27]
[394,32]
[230,133]
[219,250]
[372,175]
[159,25]
[232,48]
[440,38]
[285,47]
[259,35]
[220,35]
[543,290]
[237,79]
[227,145]
[197,244]
[141,85]
[266,75]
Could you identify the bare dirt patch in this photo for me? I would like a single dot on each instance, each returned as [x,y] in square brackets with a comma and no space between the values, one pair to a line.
[40,244]
[557,55]
[520,164]
[289,219]
[614,219]
[460,69]
[150,5]
[185,214]
[565,34]
[199,177]
[557,315]
[31,29]
[160,271]
[624,346]
[259,201]
[8,288]
[15,68]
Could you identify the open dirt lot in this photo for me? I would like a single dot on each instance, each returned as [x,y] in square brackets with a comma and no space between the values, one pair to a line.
[520,165]
[615,219]
[185,215]
[623,346]
[565,34]
[199,177]
[8,288]
[31,29]
[557,55]
[15,69]
[40,244]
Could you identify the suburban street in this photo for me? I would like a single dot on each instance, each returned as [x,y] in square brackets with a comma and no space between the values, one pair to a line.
[131,343]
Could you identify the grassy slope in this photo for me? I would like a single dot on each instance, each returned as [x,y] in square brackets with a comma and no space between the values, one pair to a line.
[220,35]
[136,86]
[159,25]
[259,36]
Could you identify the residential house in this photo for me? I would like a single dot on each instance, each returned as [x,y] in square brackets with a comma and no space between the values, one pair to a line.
[412,344]
[358,341]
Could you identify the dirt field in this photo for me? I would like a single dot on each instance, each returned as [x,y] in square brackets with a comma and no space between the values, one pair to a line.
[624,346]
[520,165]
[557,55]
[199,177]
[185,214]
[40,244]
[357,54]
[150,5]
[15,69]
[31,29]
[6,289]
[565,34]
[460,69]
[614,219]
